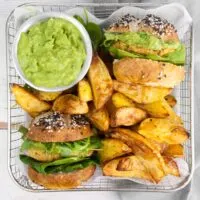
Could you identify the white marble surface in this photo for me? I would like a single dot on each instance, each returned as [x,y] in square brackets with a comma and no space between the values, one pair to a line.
[8,190]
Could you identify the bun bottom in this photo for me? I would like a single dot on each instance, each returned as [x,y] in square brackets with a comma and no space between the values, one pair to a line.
[61,181]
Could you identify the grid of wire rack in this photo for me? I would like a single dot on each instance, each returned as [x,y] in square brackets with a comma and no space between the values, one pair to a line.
[17,117]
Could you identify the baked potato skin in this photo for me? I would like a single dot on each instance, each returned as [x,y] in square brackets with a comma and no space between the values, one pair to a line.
[112,148]
[140,93]
[70,104]
[28,101]
[101,82]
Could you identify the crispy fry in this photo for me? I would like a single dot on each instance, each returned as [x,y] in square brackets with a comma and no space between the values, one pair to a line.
[84,91]
[139,93]
[70,104]
[100,81]
[28,101]
[112,148]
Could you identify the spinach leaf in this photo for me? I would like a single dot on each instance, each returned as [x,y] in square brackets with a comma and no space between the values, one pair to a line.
[45,167]
[94,31]
[23,130]
[70,168]
[176,57]
[79,148]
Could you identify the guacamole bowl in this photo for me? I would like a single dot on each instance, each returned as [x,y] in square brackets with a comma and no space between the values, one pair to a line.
[52,52]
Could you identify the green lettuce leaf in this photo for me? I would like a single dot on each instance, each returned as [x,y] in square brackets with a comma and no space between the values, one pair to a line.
[61,165]
[79,148]
[177,57]
[145,40]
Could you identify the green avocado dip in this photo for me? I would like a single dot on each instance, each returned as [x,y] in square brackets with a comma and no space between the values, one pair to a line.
[51,53]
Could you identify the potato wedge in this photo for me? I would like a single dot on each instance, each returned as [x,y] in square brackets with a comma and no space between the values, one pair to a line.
[139,93]
[155,109]
[146,167]
[172,115]
[172,167]
[84,91]
[100,81]
[171,100]
[174,150]
[138,170]
[119,100]
[46,96]
[163,130]
[140,145]
[99,118]
[112,148]
[126,116]
[28,101]
[70,104]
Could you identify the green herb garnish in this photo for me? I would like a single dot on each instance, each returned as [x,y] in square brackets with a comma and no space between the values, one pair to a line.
[94,31]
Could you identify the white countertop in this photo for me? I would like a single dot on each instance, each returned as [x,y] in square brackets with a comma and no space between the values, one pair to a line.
[10,191]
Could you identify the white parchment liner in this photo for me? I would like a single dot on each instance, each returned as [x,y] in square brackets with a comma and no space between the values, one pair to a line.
[175,13]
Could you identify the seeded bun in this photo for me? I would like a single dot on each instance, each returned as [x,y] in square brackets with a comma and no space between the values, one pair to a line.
[61,180]
[150,23]
[56,127]
[148,72]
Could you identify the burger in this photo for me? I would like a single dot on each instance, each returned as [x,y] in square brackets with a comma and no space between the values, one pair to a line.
[150,38]
[58,149]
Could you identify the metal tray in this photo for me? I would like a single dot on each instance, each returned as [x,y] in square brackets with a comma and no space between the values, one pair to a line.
[17,117]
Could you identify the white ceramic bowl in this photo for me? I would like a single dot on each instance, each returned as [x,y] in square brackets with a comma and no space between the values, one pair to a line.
[42,17]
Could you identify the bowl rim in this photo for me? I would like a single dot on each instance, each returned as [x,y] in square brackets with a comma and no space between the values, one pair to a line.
[42,17]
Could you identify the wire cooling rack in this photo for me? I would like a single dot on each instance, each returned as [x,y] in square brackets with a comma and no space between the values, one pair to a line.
[17,117]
